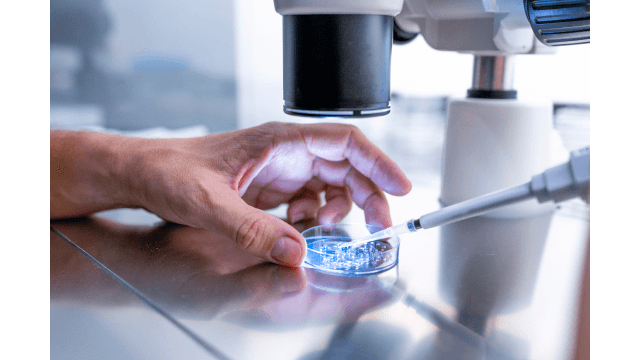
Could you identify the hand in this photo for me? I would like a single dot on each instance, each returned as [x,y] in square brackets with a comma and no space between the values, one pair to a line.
[222,182]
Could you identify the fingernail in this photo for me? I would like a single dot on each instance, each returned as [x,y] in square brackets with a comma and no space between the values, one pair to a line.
[337,219]
[287,251]
[397,189]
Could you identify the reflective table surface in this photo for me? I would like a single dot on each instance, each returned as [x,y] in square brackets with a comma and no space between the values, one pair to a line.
[126,285]
[481,288]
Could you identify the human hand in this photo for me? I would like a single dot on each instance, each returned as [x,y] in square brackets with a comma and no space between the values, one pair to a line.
[222,182]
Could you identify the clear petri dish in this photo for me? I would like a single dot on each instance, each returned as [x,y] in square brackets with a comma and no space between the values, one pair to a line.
[324,252]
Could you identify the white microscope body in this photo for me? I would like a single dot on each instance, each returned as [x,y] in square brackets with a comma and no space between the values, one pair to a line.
[491,143]
[494,139]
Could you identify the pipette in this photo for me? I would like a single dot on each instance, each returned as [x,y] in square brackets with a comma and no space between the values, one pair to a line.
[559,183]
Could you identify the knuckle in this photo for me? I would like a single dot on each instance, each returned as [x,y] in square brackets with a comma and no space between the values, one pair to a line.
[375,199]
[355,132]
[268,132]
[271,128]
[257,141]
[353,135]
[375,166]
[347,127]
[353,128]
[271,124]
[251,234]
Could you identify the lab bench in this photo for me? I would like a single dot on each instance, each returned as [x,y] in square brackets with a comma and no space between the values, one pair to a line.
[126,285]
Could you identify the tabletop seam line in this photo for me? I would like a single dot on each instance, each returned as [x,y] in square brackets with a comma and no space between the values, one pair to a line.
[144,298]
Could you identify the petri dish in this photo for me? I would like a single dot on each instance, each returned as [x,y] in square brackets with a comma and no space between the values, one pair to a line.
[324,252]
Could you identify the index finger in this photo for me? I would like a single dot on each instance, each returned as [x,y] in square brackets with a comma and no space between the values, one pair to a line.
[337,142]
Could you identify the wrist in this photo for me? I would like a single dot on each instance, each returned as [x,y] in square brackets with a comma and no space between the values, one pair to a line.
[109,157]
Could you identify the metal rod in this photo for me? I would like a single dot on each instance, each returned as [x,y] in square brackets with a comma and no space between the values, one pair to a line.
[492,72]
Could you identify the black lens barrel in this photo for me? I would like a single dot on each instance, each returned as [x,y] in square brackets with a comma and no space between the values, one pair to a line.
[337,65]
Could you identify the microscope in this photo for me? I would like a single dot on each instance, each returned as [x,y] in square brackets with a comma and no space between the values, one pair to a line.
[336,60]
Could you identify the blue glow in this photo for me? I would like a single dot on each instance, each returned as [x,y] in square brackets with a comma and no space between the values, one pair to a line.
[325,252]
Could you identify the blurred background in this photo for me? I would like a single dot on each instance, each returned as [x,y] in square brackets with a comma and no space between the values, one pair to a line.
[132,65]
[206,66]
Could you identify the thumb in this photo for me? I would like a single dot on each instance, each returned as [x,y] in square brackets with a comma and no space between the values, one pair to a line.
[262,234]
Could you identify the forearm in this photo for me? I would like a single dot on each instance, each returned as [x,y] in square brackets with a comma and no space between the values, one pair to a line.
[87,173]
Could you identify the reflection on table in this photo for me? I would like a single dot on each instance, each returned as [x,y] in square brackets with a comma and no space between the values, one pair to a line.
[473,289]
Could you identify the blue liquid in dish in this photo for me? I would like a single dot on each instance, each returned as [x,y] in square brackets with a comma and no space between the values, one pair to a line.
[326,253]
